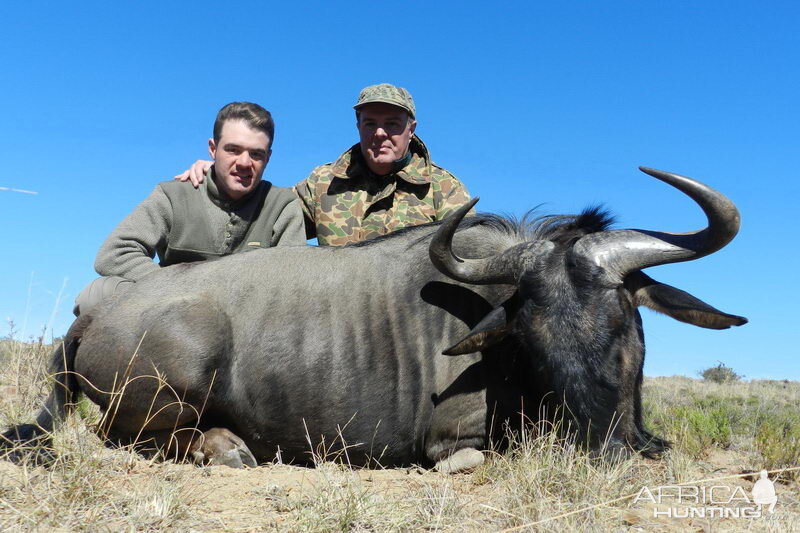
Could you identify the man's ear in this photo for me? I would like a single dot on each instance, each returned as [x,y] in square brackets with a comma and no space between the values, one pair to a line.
[266,157]
[212,149]
[678,304]
[413,126]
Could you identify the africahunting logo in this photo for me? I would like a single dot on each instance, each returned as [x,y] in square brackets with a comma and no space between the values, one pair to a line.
[717,501]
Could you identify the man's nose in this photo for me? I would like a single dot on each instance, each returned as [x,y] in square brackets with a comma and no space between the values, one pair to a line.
[381,132]
[244,159]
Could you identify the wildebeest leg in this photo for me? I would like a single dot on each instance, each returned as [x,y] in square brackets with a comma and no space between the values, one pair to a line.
[162,378]
[216,446]
[463,460]
[220,446]
[458,425]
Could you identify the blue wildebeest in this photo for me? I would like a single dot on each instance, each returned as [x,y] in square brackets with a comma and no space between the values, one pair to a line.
[417,347]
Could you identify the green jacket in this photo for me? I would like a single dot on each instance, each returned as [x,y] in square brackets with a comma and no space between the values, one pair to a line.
[180,224]
[345,202]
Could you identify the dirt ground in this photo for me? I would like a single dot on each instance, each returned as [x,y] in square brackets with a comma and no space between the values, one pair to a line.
[289,498]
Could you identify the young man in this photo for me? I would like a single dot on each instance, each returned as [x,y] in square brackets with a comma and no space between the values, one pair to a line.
[233,211]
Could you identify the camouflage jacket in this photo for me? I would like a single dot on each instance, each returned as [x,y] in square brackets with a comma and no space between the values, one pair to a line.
[344,202]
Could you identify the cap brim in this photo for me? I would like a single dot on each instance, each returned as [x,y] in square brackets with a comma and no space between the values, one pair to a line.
[381,101]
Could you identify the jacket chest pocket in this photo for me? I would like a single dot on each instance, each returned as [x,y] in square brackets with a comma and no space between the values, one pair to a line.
[410,210]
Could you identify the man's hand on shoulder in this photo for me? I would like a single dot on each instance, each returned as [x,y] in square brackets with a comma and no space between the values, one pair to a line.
[196,173]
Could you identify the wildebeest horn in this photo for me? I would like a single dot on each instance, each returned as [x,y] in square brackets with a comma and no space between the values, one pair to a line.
[623,251]
[482,271]
[500,268]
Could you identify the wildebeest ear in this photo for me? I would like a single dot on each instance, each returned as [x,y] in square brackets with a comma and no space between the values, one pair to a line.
[678,304]
[489,331]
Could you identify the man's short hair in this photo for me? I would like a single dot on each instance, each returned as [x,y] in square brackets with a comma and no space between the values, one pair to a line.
[252,114]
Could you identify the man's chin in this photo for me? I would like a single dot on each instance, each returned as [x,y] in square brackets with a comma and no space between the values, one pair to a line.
[240,190]
[383,159]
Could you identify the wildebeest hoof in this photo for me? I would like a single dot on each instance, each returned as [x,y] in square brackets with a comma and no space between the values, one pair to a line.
[612,452]
[463,460]
[27,443]
[219,446]
[236,458]
[35,456]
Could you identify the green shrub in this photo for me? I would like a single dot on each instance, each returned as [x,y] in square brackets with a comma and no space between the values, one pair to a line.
[695,429]
[777,439]
[712,425]
[720,374]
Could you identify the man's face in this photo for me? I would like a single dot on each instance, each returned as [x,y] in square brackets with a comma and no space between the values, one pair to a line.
[385,132]
[240,157]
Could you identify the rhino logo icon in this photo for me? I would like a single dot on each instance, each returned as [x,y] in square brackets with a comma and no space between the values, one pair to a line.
[764,492]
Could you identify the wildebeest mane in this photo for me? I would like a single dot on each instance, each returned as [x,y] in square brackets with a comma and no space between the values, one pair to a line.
[531,226]
[565,228]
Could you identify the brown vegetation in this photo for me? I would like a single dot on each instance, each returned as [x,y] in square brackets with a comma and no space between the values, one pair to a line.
[544,482]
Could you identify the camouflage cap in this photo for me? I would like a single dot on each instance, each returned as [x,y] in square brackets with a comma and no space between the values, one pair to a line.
[387,94]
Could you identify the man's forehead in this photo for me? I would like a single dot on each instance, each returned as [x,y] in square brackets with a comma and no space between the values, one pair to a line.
[238,131]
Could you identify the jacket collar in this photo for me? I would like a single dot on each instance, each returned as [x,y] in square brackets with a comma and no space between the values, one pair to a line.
[351,164]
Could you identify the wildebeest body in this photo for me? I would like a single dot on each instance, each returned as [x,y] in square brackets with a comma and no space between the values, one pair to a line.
[291,343]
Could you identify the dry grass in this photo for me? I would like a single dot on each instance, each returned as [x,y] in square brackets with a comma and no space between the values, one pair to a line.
[543,483]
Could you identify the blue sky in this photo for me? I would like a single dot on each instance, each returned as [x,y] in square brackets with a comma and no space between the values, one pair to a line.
[527,103]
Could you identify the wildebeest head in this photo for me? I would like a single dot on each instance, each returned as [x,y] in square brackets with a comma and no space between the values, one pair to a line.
[574,313]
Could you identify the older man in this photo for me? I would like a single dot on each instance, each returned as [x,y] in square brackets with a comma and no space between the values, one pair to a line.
[233,211]
[385,182]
